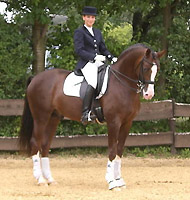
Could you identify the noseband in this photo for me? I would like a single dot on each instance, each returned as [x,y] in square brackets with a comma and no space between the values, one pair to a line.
[141,82]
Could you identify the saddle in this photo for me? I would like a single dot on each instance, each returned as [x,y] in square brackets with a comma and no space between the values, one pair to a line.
[75,85]
[101,74]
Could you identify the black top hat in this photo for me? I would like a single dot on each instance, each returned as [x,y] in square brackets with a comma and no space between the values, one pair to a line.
[88,10]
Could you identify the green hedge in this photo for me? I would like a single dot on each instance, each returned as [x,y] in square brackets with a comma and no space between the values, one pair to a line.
[10,126]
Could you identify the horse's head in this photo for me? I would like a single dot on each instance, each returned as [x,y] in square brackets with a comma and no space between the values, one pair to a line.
[138,65]
[149,67]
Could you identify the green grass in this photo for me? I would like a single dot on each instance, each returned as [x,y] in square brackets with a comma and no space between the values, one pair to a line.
[156,152]
[185,153]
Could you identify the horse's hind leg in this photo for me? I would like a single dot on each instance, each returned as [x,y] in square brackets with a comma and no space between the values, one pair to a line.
[35,142]
[46,142]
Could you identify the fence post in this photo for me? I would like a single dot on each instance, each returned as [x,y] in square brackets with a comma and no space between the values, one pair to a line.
[172,124]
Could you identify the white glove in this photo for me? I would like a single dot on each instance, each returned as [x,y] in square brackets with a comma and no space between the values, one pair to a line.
[98,63]
[114,59]
[100,58]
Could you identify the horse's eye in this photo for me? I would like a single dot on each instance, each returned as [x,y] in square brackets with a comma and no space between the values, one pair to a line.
[146,70]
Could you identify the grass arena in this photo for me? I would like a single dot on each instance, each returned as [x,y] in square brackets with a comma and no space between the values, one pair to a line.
[82,178]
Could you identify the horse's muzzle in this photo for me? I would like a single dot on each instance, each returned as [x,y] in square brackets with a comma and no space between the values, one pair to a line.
[149,93]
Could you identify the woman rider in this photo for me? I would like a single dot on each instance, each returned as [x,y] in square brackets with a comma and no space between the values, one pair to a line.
[91,49]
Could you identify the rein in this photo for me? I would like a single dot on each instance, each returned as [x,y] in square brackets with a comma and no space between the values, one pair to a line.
[140,82]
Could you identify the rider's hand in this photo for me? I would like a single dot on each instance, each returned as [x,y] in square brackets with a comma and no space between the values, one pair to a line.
[100,58]
[114,59]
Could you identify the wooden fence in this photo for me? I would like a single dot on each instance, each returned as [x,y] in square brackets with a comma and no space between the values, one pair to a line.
[149,111]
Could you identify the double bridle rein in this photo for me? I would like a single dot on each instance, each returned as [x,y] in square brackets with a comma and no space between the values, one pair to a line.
[140,82]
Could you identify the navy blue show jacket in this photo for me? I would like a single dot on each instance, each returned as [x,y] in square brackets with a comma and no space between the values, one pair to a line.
[88,46]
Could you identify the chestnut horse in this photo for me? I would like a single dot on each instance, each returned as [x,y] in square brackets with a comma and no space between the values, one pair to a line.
[46,104]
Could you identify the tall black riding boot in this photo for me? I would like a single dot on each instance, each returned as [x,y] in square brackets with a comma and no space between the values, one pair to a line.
[87,101]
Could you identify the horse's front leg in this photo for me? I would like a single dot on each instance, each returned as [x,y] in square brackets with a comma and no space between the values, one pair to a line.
[123,133]
[116,142]
[113,174]
[117,173]
[112,165]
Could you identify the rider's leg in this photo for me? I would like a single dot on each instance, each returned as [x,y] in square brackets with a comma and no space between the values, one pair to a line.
[86,107]
[90,72]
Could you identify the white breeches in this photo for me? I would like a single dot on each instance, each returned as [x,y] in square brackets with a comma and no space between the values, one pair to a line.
[90,72]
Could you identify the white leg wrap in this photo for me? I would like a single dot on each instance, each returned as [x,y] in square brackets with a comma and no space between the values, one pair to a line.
[113,174]
[117,172]
[110,175]
[46,169]
[120,182]
[37,172]
[110,171]
[117,167]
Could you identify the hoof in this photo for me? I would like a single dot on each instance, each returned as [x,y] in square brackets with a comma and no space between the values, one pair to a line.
[121,183]
[117,185]
[52,182]
[123,187]
[113,185]
[116,189]
[42,182]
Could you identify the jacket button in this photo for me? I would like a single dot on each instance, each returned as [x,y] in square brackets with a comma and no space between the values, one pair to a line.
[94,40]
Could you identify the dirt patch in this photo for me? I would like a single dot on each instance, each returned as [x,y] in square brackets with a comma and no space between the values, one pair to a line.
[82,178]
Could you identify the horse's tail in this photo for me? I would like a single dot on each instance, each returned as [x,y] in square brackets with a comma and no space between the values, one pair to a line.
[26,126]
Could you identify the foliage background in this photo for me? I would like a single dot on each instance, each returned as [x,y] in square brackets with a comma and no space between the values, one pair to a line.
[116,20]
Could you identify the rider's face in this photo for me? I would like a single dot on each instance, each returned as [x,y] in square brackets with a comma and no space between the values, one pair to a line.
[89,20]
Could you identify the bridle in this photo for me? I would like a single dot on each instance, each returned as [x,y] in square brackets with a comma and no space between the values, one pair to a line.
[141,82]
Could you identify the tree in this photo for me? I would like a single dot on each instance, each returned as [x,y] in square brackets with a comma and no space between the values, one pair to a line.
[153,23]
[178,74]
[35,13]
[24,41]
[15,60]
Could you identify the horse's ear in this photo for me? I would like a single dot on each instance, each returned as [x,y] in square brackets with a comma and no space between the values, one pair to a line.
[161,53]
[148,52]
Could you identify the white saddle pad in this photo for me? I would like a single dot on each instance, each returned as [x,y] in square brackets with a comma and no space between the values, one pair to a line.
[72,84]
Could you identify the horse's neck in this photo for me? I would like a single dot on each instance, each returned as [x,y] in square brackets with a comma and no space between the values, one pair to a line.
[128,65]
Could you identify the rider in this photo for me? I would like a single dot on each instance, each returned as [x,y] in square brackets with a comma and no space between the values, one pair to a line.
[90,47]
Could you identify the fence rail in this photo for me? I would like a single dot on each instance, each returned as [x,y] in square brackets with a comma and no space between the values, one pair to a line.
[149,111]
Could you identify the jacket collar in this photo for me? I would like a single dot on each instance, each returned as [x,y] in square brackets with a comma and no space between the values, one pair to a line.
[86,30]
